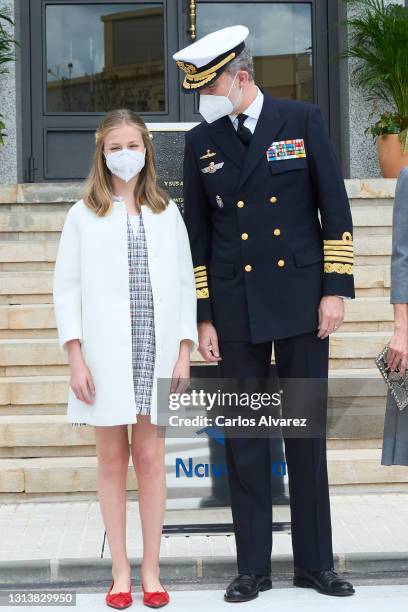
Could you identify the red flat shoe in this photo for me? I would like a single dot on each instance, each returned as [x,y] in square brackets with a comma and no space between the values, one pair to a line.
[155,599]
[119,600]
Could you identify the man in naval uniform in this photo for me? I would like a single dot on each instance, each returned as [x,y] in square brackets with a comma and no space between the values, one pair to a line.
[257,173]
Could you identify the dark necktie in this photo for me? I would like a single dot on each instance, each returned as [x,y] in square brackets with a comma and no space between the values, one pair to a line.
[243,132]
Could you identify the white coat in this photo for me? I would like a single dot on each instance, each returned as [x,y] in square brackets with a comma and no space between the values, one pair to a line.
[92,303]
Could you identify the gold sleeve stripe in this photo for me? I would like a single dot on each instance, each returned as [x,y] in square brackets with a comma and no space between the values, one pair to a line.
[201,282]
[339,253]
[340,268]
[338,247]
[348,259]
[202,293]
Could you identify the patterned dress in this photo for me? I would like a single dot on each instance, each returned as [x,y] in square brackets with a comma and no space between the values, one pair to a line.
[142,317]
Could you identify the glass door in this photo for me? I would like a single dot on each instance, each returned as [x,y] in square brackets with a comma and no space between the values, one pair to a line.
[288,40]
[88,57]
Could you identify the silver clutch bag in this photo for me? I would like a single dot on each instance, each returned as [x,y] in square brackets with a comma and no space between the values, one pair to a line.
[397,384]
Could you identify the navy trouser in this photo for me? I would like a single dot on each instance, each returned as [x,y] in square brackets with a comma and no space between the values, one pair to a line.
[249,466]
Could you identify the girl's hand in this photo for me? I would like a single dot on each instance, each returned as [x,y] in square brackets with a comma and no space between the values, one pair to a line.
[81,381]
[397,356]
[181,371]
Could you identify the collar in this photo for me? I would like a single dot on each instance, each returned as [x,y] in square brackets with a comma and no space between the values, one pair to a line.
[254,109]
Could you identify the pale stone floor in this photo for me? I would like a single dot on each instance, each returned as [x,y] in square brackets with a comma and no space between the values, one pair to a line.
[383,598]
[361,523]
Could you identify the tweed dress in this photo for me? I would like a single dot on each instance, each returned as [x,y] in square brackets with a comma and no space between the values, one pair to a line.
[142,318]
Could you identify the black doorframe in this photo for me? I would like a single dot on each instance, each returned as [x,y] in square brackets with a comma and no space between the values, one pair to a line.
[33,129]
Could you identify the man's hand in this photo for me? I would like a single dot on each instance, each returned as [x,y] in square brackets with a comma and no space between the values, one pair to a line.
[331,315]
[208,341]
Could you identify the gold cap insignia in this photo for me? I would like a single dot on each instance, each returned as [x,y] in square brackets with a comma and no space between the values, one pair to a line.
[188,68]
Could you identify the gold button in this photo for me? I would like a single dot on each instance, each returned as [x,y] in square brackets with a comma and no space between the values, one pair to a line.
[240,204]
[248,268]
[273,199]
[281,263]
[244,236]
[276,231]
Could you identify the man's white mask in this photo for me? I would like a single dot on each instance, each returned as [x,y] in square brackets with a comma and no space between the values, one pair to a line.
[213,107]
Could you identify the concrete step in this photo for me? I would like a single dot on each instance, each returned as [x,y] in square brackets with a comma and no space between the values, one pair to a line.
[33,412]
[28,251]
[354,467]
[38,351]
[32,477]
[33,391]
[27,316]
[29,218]
[41,316]
[49,432]
[36,435]
[26,282]
[46,249]
[52,475]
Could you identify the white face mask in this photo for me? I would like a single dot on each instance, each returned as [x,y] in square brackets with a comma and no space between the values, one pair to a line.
[125,163]
[214,107]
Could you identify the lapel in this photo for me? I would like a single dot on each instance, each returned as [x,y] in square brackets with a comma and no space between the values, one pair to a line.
[269,123]
[223,134]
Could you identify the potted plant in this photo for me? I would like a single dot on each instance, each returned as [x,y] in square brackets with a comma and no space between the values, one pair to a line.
[6,55]
[379,44]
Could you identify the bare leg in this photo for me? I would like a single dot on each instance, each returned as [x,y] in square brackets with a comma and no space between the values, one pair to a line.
[112,449]
[148,449]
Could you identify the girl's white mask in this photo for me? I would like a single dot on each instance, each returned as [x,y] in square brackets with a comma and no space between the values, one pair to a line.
[214,107]
[125,163]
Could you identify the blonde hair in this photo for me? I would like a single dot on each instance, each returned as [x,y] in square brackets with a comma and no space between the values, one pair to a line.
[98,187]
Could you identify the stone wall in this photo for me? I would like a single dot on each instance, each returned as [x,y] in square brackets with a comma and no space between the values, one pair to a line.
[8,108]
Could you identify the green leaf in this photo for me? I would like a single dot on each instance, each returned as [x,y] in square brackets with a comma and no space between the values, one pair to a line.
[404,140]
[378,47]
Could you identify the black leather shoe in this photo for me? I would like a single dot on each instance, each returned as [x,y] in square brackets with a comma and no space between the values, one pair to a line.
[246,587]
[326,582]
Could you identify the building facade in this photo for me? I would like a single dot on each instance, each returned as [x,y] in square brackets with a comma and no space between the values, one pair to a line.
[81,58]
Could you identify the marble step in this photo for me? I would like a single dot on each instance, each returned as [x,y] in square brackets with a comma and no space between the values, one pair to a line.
[47,217]
[46,250]
[41,316]
[348,468]
[51,435]
[38,351]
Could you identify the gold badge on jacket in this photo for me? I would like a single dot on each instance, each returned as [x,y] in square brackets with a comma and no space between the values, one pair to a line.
[208,154]
[212,167]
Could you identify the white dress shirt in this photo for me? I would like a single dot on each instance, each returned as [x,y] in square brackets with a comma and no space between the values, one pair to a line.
[253,111]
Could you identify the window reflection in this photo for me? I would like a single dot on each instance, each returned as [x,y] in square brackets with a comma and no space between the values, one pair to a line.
[105,56]
[280,39]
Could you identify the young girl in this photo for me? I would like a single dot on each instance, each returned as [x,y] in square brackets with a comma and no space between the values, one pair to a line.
[125,306]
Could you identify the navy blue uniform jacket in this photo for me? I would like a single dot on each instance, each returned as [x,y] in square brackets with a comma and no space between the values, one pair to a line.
[268,238]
